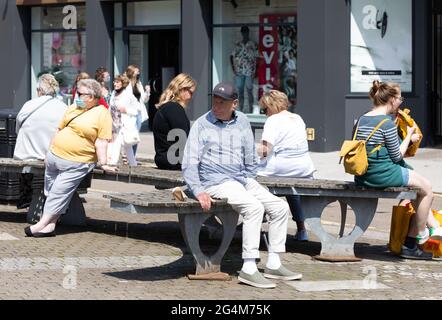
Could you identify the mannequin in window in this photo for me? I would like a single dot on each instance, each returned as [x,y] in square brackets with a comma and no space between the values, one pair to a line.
[243,62]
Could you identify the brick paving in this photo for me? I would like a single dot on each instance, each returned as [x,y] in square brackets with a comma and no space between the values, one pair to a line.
[125,256]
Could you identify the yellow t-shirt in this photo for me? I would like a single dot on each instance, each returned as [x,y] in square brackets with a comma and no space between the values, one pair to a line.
[76,142]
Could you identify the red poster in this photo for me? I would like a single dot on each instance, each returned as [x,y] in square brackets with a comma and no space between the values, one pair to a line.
[268,73]
[277,45]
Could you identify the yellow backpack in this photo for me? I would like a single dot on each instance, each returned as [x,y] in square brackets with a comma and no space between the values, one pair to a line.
[354,153]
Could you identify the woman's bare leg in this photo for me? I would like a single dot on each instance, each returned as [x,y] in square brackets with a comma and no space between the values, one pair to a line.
[422,204]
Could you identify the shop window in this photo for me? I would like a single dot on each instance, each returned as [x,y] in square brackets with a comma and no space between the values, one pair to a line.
[58,45]
[255,47]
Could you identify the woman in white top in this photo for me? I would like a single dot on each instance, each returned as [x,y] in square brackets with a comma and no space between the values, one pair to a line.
[124,110]
[284,149]
[142,95]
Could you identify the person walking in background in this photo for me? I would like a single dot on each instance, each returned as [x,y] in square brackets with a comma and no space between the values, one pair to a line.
[243,62]
[284,150]
[170,116]
[142,95]
[103,78]
[36,124]
[78,145]
[220,161]
[80,76]
[386,167]
[124,110]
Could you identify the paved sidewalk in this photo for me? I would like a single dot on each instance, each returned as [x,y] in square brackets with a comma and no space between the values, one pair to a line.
[126,256]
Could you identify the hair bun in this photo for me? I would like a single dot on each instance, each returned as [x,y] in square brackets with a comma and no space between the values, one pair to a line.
[376,85]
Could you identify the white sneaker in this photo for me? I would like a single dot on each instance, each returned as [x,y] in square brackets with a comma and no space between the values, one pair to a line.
[422,238]
[436,233]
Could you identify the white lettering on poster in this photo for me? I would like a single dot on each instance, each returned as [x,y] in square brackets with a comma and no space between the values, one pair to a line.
[268,41]
[267,28]
[268,57]
[369,21]
[70,20]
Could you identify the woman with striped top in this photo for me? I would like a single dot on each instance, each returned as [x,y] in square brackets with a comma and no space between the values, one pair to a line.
[386,167]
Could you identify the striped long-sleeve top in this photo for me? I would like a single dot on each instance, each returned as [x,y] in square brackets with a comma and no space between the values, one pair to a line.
[384,166]
[386,135]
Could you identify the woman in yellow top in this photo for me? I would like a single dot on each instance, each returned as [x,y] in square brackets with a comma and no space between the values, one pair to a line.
[78,145]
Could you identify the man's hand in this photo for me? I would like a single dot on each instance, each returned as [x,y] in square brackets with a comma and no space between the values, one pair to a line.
[205,201]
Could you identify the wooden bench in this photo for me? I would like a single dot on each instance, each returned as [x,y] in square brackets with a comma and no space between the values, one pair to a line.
[76,213]
[191,218]
[316,195]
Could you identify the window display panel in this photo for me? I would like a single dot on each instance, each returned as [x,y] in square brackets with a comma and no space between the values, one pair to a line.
[381,43]
[61,52]
[259,53]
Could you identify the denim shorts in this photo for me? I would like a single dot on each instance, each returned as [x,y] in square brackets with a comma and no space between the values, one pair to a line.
[405,176]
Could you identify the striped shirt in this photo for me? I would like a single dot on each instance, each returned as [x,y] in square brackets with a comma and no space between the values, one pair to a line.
[386,135]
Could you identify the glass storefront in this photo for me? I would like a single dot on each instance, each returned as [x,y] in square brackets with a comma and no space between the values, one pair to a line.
[147,34]
[58,45]
[255,47]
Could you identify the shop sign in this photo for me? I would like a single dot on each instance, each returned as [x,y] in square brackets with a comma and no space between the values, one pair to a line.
[277,45]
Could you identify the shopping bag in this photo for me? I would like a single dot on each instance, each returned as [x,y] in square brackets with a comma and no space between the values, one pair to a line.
[434,246]
[400,223]
[403,121]
[130,136]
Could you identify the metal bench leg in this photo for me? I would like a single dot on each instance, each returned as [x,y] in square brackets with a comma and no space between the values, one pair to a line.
[343,206]
[75,215]
[207,268]
[341,248]
[36,207]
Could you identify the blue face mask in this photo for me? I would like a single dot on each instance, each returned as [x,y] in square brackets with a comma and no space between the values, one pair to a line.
[80,103]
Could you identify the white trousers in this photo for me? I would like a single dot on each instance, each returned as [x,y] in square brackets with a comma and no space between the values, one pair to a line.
[116,151]
[251,201]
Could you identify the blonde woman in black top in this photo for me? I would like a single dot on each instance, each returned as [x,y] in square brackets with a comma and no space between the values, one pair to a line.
[171,120]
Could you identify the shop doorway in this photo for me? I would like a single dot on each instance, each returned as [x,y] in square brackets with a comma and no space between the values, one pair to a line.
[436,105]
[157,52]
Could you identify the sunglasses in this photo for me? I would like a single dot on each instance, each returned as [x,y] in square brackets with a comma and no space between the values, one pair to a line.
[190,91]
